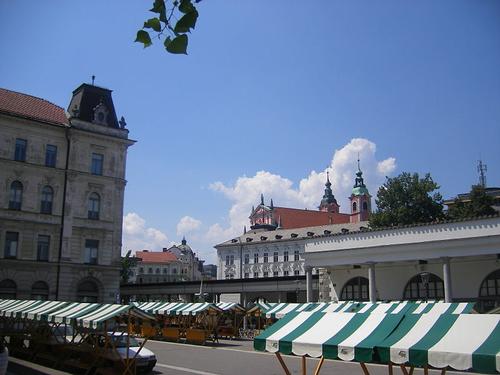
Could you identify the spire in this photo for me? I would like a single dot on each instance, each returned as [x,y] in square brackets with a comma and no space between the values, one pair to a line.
[261,199]
[328,183]
[244,229]
[272,204]
[328,197]
[359,187]
[184,240]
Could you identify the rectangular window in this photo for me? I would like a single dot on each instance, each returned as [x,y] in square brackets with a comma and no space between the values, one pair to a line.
[97,161]
[275,256]
[227,260]
[247,258]
[255,275]
[266,258]
[246,275]
[275,273]
[11,244]
[285,256]
[43,245]
[20,153]
[266,274]
[256,258]
[231,260]
[50,156]
[91,247]
[296,255]
[296,272]
[285,273]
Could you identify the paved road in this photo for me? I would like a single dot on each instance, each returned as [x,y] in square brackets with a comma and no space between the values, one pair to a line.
[238,357]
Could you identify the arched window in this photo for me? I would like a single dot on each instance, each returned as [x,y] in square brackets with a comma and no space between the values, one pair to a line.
[94,206]
[424,286]
[8,289]
[47,198]
[489,292]
[354,207]
[87,291]
[16,195]
[355,289]
[40,291]
[365,206]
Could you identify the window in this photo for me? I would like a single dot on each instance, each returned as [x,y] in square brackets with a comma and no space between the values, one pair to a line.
[165,270]
[255,275]
[87,291]
[227,260]
[47,198]
[266,258]
[275,273]
[91,247]
[296,255]
[354,207]
[43,245]
[141,270]
[246,275]
[8,289]
[285,273]
[424,286]
[275,256]
[50,156]
[365,206]
[94,206]
[489,292]
[16,195]
[174,271]
[97,161]
[296,273]
[285,256]
[247,258]
[355,289]
[150,270]
[266,274]
[20,153]
[157,270]
[256,258]
[40,291]
[231,259]
[11,244]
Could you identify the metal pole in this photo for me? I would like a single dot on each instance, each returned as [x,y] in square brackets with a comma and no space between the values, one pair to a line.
[372,283]
[448,294]
[309,287]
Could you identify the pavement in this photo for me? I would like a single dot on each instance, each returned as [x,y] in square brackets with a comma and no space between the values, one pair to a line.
[228,357]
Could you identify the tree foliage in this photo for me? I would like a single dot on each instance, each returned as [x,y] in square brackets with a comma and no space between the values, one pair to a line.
[407,199]
[128,262]
[478,204]
[173,21]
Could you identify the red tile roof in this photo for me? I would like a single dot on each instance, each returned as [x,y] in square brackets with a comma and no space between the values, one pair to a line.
[296,218]
[156,256]
[31,107]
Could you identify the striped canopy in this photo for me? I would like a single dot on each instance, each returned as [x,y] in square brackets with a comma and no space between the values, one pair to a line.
[281,309]
[348,336]
[463,342]
[230,306]
[179,308]
[89,315]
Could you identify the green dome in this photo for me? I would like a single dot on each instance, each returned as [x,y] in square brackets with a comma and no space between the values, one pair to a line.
[360,190]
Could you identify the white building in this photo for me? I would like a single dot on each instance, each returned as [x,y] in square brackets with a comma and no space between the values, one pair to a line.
[61,196]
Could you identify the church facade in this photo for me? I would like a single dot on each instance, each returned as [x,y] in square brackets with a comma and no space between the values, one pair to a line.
[61,198]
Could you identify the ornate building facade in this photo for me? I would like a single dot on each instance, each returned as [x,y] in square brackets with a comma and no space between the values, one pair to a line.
[61,197]
[274,247]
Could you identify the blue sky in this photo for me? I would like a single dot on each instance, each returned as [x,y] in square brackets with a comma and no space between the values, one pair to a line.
[269,92]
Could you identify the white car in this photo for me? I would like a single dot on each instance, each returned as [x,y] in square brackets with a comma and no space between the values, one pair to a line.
[145,360]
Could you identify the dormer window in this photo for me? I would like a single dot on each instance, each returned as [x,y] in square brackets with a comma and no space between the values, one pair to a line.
[278,236]
[294,235]
[100,114]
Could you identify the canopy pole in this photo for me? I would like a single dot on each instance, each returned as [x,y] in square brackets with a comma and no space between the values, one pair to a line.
[389,367]
[304,368]
[403,368]
[426,370]
[412,368]
[443,371]
[318,367]
[280,359]
[364,368]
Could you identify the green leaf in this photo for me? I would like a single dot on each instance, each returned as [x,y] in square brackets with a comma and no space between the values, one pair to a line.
[187,22]
[186,6]
[153,23]
[178,45]
[144,38]
[158,6]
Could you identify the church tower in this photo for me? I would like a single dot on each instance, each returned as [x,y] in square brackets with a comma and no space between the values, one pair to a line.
[360,199]
[329,203]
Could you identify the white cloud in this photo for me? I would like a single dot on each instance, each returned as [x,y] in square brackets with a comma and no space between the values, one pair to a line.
[187,224]
[137,236]
[246,190]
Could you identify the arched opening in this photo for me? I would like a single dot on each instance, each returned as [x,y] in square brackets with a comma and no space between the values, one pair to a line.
[365,206]
[354,207]
[40,291]
[489,292]
[47,198]
[87,291]
[16,195]
[8,289]
[94,206]
[356,289]
[424,286]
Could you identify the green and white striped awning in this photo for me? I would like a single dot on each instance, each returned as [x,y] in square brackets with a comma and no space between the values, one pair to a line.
[230,306]
[179,308]
[463,342]
[281,309]
[16,308]
[348,336]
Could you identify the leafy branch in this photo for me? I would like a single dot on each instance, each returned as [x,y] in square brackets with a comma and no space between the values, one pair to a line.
[175,38]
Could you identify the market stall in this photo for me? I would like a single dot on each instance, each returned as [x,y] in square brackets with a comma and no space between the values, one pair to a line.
[231,319]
